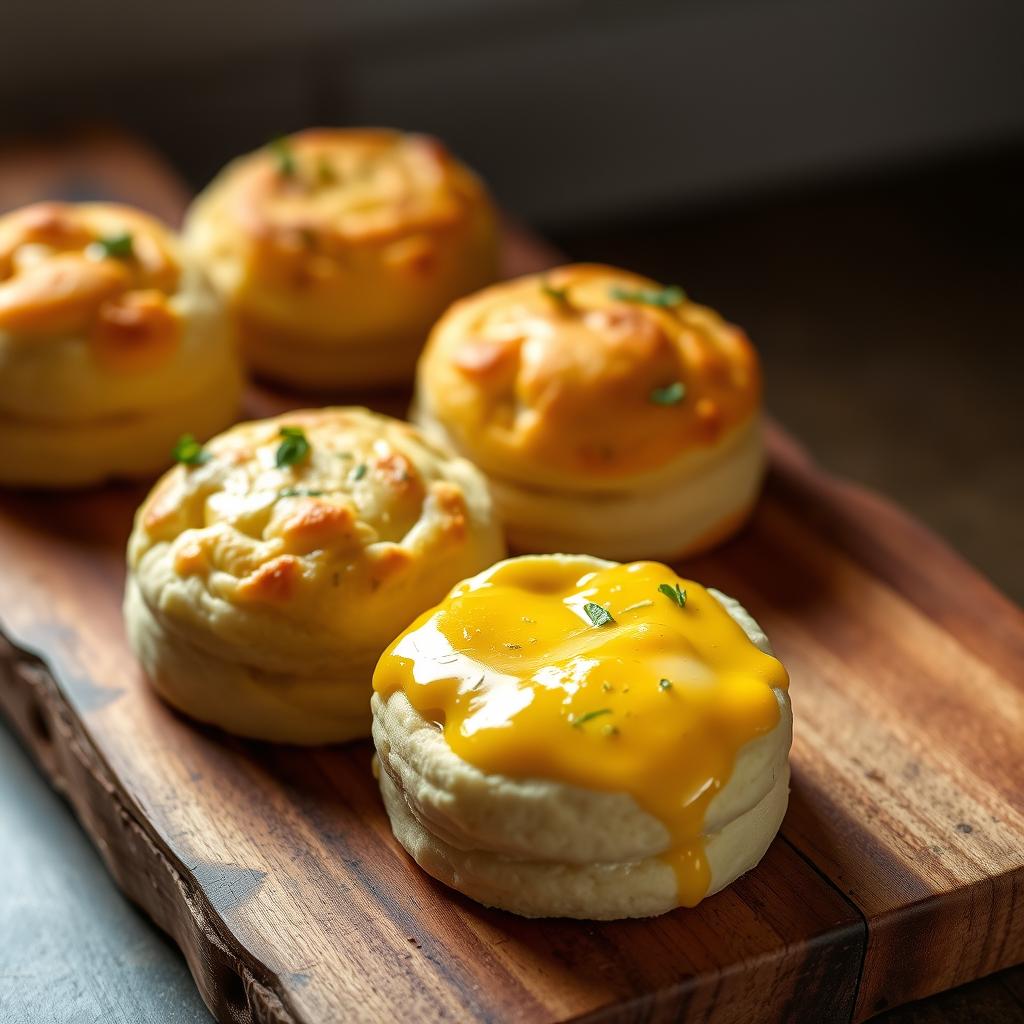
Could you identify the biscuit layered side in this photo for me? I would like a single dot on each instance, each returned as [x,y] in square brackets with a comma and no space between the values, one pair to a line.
[572,833]
[266,578]
[611,415]
[337,249]
[111,346]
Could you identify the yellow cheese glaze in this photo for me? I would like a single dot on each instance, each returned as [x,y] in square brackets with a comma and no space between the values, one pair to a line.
[525,685]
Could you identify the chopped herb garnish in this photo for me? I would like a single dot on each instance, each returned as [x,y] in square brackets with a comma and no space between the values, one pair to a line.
[674,592]
[293,447]
[300,492]
[556,294]
[610,730]
[580,720]
[664,684]
[116,247]
[359,472]
[281,150]
[598,615]
[673,295]
[189,451]
[672,394]
[325,173]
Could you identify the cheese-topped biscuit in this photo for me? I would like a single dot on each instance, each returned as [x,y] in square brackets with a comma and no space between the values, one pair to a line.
[338,248]
[612,415]
[266,576]
[111,346]
[568,737]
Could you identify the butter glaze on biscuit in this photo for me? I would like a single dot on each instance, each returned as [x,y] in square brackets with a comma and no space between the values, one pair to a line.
[111,346]
[260,596]
[337,249]
[609,418]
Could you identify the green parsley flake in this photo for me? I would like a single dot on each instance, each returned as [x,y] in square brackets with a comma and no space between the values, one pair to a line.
[674,593]
[577,721]
[560,295]
[671,394]
[673,295]
[598,615]
[293,447]
[189,451]
[281,150]
[664,684]
[359,472]
[300,492]
[116,247]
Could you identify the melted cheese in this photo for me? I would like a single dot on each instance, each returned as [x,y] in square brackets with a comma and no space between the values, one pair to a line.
[524,684]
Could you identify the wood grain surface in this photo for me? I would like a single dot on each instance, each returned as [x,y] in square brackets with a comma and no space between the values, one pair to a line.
[899,870]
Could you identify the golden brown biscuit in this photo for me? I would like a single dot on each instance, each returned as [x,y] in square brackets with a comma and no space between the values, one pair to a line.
[111,346]
[338,248]
[612,415]
[266,577]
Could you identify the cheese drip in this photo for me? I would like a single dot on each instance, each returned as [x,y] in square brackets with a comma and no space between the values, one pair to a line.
[656,703]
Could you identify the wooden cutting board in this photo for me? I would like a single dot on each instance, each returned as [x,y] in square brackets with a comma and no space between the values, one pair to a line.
[899,871]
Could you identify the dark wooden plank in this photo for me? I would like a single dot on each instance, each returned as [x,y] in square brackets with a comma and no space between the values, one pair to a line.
[908,789]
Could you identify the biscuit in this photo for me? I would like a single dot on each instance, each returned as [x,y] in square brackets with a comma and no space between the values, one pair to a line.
[112,345]
[266,577]
[541,759]
[337,249]
[612,416]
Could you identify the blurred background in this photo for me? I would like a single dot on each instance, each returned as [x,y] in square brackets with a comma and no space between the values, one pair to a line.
[843,178]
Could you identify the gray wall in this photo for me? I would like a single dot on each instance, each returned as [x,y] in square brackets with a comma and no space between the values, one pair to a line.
[573,109]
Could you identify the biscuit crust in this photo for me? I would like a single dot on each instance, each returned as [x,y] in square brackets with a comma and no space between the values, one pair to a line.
[336,250]
[261,595]
[112,344]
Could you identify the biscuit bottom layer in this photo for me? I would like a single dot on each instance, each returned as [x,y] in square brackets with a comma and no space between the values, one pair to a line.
[45,453]
[689,509]
[595,891]
[274,706]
